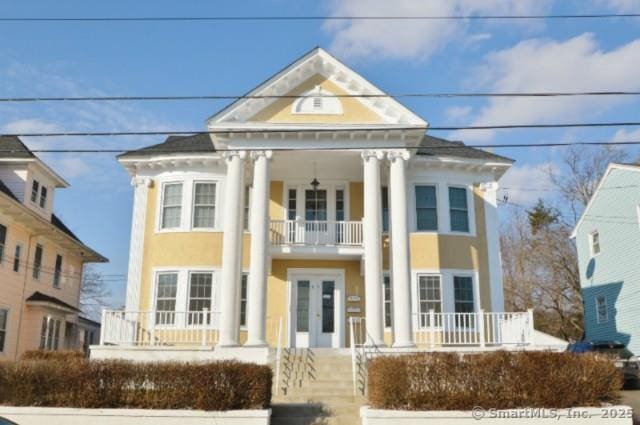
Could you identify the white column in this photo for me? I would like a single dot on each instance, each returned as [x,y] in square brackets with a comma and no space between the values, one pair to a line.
[231,250]
[259,227]
[400,280]
[493,245]
[372,227]
[134,274]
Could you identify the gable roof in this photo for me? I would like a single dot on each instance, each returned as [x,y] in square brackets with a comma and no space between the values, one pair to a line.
[435,146]
[196,143]
[13,147]
[39,297]
[612,166]
[316,61]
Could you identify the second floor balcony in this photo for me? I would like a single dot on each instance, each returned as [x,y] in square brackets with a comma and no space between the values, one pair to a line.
[316,233]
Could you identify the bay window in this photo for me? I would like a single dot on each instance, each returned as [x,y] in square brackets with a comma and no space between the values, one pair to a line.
[426,208]
[171,205]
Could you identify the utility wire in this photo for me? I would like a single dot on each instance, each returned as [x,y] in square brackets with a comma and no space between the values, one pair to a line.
[320,130]
[314,18]
[333,148]
[361,96]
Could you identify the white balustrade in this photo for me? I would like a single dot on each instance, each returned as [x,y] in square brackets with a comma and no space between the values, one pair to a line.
[303,232]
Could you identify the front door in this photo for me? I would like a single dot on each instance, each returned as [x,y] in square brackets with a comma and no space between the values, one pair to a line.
[316,314]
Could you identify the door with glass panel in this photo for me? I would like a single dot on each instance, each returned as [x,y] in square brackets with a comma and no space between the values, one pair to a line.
[315,215]
[315,315]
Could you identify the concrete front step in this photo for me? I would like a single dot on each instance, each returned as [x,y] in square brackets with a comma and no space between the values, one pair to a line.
[314,413]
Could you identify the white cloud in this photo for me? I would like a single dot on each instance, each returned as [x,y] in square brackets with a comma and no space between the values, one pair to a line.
[458,113]
[627,136]
[408,38]
[577,64]
[519,182]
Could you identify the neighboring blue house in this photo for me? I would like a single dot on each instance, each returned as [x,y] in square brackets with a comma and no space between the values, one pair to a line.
[608,241]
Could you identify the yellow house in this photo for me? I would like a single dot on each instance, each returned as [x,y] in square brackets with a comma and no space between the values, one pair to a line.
[312,212]
[41,260]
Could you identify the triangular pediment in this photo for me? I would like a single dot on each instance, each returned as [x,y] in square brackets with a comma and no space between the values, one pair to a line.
[316,90]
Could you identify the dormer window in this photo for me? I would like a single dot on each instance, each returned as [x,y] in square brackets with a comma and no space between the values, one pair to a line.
[317,101]
[35,187]
[43,197]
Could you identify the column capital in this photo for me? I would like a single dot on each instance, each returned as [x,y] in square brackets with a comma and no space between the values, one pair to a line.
[369,154]
[259,154]
[141,181]
[402,155]
[229,155]
[489,186]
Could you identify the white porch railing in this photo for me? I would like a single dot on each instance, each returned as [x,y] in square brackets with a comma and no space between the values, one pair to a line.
[473,329]
[302,232]
[149,328]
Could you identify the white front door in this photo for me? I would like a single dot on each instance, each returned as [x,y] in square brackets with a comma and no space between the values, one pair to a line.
[316,316]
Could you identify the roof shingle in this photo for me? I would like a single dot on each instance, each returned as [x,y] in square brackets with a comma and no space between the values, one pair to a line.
[435,146]
[196,143]
[12,147]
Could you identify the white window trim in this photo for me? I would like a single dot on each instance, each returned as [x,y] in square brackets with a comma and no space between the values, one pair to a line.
[446,288]
[331,188]
[470,210]
[20,258]
[245,327]
[591,245]
[414,207]
[186,214]
[3,350]
[61,279]
[387,273]
[192,206]
[606,309]
[32,268]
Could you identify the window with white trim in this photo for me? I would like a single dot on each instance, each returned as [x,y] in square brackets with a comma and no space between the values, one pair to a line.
[166,292]
[386,293]
[243,299]
[4,316]
[200,296]
[426,208]
[204,205]
[50,333]
[463,294]
[43,197]
[594,243]
[3,241]
[429,297]
[35,188]
[57,272]
[171,206]
[37,261]
[458,209]
[247,207]
[602,310]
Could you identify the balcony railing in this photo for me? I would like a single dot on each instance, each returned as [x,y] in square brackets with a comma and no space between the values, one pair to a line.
[474,329]
[302,232]
[166,328]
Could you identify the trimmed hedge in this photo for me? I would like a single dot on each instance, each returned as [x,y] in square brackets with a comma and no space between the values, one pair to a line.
[226,385]
[48,355]
[499,380]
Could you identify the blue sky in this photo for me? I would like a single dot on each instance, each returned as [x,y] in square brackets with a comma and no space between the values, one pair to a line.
[48,59]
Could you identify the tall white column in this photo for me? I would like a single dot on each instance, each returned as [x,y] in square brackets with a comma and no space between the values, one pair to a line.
[231,250]
[493,245]
[134,275]
[372,227]
[400,259]
[259,227]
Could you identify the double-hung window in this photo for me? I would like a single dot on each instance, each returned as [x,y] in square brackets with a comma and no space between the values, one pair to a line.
[458,209]
[602,310]
[429,298]
[200,295]
[386,292]
[37,261]
[57,272]
[35,188]
[204,205]
[426,208]
[243,299]
[4,315]
[594,243]
[171,206]
[167,290]
[43,197]
[3,241]
[463,301]
[50,333]
[16,258]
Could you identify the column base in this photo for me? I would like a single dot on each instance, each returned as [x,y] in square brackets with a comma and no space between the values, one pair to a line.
[228,344]
[407,344]
[256,344]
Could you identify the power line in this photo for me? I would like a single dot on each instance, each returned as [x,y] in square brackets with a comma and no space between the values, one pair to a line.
[314,18]
[322,130]
[362,96]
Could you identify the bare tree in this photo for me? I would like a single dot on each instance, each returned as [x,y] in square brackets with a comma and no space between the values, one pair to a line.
[94,295]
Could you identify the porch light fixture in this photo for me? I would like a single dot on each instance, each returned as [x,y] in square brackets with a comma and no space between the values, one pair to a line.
[315,183]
